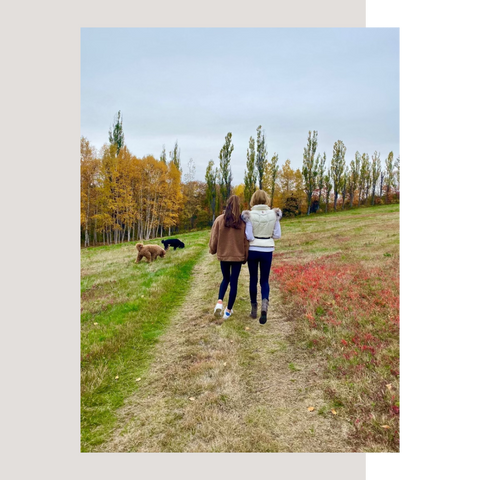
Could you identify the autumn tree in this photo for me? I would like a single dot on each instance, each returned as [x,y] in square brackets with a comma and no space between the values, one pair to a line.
[250,178]
[190,191]
[286,181]
[225,157]
[239,191]
[310,167]
[116,136]
[89,169]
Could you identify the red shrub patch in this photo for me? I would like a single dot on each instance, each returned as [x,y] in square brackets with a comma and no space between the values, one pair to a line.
[329,289]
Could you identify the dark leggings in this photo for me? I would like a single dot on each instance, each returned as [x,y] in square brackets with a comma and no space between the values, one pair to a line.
[230,271]
[264,260]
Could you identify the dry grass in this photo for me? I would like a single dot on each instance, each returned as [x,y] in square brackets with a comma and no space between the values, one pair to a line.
[246,397]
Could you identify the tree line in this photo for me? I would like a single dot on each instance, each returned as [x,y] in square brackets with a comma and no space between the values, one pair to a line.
[125,198]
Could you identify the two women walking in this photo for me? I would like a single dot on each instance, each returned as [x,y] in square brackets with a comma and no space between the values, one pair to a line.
[237,238]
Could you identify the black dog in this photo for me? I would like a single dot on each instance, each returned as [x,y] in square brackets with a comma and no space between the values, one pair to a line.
[174,242]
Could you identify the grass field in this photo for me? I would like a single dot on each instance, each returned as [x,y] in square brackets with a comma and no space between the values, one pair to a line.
[159,374]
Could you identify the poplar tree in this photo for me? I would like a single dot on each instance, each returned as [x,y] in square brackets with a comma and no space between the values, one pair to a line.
[344,185]
[211,181]
[337,169]
[273,176]
[354,175]
[321,174]
[365,175]
[389,174]
[376,169]
[175,156]
[261,160]
[310,167]
[328,189]
[250,177]
[116,136]
[225,157]
[163,155]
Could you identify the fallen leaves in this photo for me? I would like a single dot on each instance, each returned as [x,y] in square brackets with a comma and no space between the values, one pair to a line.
[192,399]
[95,323]
[333,411]
[389,386]
[386,426]
[311,409]
[138,379]
[116,378]
[247,328]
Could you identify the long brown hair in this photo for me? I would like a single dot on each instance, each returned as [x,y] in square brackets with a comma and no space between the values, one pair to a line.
[232,212]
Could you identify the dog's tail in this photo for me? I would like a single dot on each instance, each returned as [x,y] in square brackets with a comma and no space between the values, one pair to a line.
[139,246]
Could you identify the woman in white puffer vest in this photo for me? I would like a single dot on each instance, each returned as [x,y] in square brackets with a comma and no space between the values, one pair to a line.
[262,228]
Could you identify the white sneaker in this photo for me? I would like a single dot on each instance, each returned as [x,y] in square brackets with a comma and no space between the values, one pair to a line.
[218,309]
[227,314]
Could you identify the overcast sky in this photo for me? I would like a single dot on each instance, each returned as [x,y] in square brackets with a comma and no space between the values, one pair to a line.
[196,85]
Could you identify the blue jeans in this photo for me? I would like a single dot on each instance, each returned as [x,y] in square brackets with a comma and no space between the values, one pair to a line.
[231,272]
[264,261]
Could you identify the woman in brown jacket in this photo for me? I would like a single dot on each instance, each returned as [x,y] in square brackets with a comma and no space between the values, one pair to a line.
[228,241]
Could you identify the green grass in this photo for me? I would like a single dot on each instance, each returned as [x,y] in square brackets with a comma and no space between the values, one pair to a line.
[125,308]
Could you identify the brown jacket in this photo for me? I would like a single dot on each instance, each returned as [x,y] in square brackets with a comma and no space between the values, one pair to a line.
[230,244]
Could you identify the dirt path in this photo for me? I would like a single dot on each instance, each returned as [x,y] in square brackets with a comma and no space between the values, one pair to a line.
[222,388]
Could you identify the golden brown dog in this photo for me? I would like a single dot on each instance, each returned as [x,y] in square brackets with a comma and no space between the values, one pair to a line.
[150,252]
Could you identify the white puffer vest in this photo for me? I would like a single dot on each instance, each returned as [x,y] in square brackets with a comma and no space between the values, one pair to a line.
[263,222]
